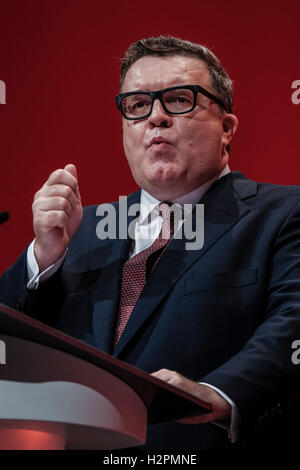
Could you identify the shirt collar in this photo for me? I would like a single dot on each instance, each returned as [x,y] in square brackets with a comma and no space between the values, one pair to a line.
[150,203]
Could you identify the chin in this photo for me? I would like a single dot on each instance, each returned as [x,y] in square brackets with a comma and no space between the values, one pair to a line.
[163,182]
[166,190]
[160,178]
[163,174]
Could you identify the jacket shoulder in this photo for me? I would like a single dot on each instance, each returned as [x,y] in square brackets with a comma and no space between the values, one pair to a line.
[246,188]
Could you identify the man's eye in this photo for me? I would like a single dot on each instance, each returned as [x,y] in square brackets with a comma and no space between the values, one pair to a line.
[139,104]
[181,99]
[178,99]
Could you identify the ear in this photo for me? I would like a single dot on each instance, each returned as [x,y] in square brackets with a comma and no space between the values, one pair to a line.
[230,124]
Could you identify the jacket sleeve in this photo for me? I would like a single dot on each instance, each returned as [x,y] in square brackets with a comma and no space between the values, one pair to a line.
[42,304]
[46,302]
[263,372]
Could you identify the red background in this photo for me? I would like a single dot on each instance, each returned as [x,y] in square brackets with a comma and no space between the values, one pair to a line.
[60,62]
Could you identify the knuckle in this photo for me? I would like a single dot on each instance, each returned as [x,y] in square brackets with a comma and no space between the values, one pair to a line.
[37,195]
[37,220]
[176,379]
[63,203]
[67,192]
[56,175]
[61,217]
[34,205]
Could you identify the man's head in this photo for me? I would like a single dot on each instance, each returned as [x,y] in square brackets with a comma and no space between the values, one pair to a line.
[194,144]
[166,46]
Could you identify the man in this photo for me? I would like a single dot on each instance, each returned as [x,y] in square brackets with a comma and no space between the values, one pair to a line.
[218,321]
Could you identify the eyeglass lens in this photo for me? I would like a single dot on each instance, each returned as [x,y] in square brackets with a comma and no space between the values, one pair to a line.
[175,101]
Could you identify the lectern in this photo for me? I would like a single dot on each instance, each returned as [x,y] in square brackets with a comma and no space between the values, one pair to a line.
[57,392]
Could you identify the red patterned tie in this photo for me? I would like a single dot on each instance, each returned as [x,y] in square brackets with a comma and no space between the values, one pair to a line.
[134,270]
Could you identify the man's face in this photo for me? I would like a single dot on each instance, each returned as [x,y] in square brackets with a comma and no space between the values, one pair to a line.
[194,150]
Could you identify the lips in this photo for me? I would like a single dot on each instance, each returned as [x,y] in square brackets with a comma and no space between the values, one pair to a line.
[159,140]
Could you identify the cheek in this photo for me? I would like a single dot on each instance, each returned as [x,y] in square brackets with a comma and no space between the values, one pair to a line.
[131,137]
[126,133]
[205,136]
[132,146]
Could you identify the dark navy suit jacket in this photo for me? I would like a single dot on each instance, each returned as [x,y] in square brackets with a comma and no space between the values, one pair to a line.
[226,314]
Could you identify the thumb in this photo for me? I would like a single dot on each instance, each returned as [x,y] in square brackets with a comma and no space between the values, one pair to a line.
[70,168]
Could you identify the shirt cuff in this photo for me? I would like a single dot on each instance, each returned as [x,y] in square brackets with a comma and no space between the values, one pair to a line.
[34,275]
[232,426]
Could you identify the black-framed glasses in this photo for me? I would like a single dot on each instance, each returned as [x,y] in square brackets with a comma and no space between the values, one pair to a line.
[175,100]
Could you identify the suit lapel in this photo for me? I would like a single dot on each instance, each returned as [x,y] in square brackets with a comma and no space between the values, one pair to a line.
[223,208]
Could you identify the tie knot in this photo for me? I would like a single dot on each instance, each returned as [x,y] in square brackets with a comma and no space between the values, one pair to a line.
[164,208]
[167,229]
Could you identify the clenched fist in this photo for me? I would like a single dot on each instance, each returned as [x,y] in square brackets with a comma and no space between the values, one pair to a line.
[57,213]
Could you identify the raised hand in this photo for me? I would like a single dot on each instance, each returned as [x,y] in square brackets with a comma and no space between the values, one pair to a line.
[57,213]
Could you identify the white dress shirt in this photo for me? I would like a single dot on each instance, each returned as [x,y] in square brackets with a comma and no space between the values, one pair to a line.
[147,230]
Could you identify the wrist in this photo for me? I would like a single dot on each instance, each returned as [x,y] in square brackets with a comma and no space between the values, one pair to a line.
[45,258]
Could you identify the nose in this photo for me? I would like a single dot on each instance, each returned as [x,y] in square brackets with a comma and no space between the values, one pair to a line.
[159,117]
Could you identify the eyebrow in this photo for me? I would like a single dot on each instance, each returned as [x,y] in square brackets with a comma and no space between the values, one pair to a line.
[172,83]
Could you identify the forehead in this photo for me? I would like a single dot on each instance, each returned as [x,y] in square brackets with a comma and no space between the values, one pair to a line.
[155,73]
